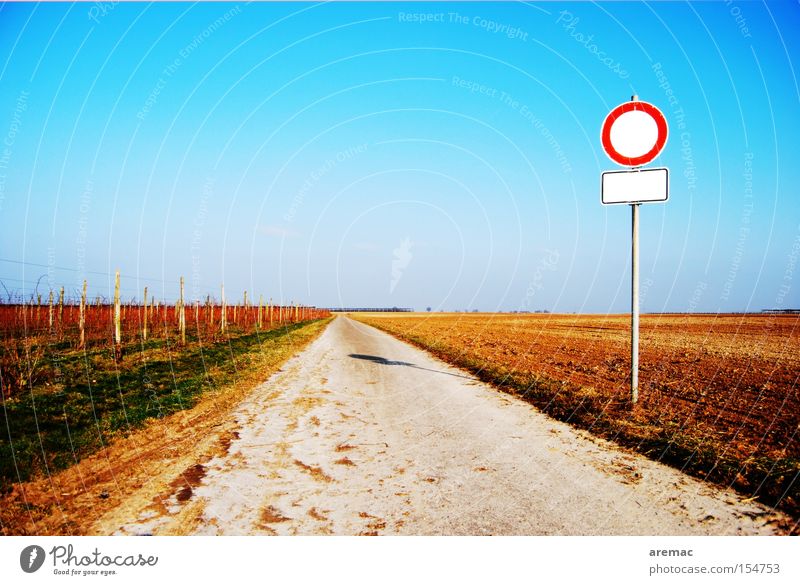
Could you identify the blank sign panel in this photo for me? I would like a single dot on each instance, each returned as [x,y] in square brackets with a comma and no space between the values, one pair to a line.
[638,186]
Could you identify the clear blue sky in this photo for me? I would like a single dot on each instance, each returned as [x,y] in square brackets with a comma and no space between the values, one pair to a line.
[357,154]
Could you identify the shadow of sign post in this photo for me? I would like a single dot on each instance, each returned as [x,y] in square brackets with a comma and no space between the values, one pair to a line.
[387,362]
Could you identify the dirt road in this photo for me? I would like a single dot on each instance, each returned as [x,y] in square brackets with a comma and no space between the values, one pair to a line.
[364,434]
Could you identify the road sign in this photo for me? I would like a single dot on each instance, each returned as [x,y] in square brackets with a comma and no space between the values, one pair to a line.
[634,186]
[634,133]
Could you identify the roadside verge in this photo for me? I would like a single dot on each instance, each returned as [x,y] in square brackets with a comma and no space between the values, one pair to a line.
[156,451]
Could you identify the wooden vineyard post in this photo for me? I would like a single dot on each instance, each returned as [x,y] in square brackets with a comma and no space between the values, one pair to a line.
[82,318]
[223,317]
[210,309]
[182,316]
[144,323]
[269,312]
[61,308]
[50,303]
[260,308]
[117,319]
[244,310]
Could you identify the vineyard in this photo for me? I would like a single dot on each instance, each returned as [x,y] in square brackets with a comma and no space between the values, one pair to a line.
[32,332]
[76,372]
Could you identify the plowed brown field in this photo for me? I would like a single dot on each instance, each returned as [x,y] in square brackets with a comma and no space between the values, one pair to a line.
[719,394]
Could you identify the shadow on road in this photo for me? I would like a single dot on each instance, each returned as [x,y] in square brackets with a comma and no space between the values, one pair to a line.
[384,362]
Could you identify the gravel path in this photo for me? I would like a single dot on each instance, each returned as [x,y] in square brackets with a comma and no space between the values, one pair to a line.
[364,434]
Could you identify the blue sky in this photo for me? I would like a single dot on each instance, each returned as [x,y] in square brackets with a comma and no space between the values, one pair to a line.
[444,155]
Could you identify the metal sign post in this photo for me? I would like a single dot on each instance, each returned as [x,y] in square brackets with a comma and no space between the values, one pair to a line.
[634,302]
[633,134]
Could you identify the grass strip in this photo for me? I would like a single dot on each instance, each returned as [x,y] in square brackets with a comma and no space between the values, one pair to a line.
[89,399]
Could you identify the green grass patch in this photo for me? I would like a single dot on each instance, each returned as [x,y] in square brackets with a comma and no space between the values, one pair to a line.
[86,398]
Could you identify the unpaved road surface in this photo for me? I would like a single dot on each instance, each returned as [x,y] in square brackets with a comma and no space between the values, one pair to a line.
[364,434]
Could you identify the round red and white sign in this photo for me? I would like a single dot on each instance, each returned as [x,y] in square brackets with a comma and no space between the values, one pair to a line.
[634,133]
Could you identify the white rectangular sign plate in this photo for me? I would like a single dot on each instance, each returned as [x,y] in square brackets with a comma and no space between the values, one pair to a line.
[636,186]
